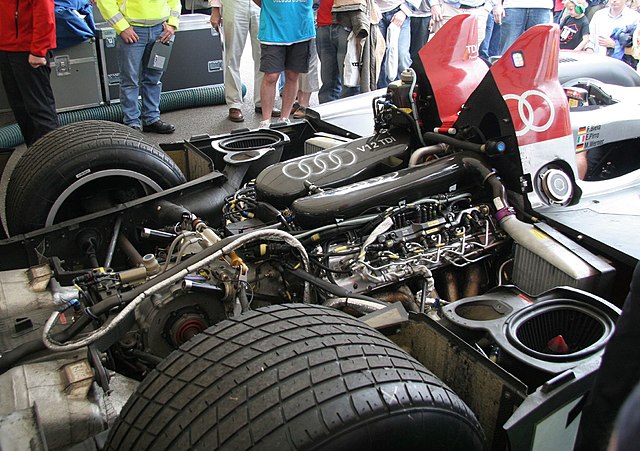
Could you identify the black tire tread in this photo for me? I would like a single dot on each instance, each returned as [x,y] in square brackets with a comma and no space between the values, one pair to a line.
[43,171]
[294,375]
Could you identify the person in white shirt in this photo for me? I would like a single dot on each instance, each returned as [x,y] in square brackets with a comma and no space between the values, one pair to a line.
[395,27]
[615,15]
[239,18]
[443,10]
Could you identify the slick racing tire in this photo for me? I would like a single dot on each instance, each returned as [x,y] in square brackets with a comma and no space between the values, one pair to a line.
[293,377]
[81,168]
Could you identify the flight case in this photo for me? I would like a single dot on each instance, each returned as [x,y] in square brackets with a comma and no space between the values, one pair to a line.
[74,78]
[196,57]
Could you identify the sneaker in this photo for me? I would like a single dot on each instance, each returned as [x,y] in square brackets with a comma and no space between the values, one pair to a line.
[265,124]
[136,127]
[282,121]
[159,127]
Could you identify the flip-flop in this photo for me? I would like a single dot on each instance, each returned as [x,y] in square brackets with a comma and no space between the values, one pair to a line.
[300,113]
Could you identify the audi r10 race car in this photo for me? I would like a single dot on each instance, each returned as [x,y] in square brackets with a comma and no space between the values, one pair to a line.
[447,281]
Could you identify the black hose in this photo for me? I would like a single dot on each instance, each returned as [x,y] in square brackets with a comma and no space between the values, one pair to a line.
[487,174]
[331,288]
[458,143]
[10,358]
[490,147]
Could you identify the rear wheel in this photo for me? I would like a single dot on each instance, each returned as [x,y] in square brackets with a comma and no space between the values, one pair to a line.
[293,377]
[82,168]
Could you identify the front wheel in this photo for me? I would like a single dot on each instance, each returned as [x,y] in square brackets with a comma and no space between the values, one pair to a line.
[293,377]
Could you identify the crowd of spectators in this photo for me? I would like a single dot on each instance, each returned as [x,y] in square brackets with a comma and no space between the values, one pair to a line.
[337,48]
[366,44]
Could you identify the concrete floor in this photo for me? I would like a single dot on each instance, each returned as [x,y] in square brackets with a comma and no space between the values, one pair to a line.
[189,122]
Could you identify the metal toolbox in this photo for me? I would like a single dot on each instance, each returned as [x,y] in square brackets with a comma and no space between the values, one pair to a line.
[196,57]
[74,77]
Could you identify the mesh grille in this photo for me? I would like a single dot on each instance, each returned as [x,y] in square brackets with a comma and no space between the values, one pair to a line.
[249,142]
[578,329]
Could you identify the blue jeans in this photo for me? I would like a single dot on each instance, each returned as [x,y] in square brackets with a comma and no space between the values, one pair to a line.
[138,80]
[518,20]
[404,44]
[490,46]
[331,44]
[419,35]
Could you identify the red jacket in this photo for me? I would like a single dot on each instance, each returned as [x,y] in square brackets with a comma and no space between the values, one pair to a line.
[27,26]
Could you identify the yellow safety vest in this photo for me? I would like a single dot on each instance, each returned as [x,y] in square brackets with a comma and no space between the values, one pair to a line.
[121,14]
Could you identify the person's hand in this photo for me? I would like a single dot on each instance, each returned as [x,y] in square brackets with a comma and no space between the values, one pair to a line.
[436,13]
[37,61]
[129,35]
[398,18]
[215,18]
[498,14]
[606,42]
[167,33]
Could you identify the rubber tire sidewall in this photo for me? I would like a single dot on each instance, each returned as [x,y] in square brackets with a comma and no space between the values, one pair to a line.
[71,152]
[293,377]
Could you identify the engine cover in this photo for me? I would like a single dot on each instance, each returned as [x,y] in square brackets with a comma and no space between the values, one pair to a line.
[282,183]
[442,176]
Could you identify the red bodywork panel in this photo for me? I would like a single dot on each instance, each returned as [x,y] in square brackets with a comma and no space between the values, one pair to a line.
[453,66]
[527,77]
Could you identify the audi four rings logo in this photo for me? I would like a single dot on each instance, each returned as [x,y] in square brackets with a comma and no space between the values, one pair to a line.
[527,112]
[319,164]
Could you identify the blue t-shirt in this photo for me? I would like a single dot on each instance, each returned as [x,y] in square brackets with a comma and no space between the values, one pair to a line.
[286,21]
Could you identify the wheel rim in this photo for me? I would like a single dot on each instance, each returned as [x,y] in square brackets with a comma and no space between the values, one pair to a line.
[146,183]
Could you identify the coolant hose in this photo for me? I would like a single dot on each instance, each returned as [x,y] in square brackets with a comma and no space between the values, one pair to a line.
[11,136]
[10,358]
[332,288]
[523,233]
[493,146]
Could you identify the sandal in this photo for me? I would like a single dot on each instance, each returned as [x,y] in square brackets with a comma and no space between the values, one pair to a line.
[300,113]
[294,107]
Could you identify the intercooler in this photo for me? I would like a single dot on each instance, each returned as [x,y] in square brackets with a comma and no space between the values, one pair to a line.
[534,275]
[321,141]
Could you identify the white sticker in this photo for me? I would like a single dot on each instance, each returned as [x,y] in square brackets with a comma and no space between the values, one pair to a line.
[83,173]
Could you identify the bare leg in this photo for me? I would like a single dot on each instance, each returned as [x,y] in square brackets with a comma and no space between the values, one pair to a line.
[288,93]
[304,98]
[268,94]
[581,161]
